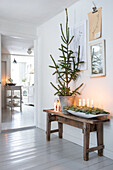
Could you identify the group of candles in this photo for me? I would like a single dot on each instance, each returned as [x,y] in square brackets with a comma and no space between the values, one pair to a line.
[83,103]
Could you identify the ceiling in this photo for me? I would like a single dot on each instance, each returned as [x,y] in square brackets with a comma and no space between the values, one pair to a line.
[16,46]
[32,11]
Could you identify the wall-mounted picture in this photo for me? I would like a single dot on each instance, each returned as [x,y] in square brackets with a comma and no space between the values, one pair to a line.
[95,24]
[79,32]
[97,58]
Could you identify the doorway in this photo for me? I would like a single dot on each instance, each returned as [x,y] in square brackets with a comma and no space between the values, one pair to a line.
[18,71]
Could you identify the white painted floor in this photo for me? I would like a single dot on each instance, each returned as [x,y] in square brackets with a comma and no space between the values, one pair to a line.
[17,119]
[29,150]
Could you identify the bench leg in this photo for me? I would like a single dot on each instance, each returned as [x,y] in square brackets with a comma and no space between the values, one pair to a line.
[86,141]
[100,138]
[60,127]
[48,127]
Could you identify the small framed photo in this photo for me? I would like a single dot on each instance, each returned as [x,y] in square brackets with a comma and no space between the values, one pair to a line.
[97,58]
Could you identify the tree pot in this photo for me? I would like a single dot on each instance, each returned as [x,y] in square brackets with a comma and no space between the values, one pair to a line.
[66,101]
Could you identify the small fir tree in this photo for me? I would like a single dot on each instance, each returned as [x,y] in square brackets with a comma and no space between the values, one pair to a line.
[67,68]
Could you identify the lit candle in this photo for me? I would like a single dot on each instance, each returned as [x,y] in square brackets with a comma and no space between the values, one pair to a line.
[83,102]
[79,102]
[91,103]
[54,106]
[58,106]
[87,102]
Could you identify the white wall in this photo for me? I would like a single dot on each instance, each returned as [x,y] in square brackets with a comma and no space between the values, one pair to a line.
[7,58]
[98,89]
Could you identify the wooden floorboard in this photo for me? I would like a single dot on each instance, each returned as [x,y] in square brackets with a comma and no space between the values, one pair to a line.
[16,119]
[28,150]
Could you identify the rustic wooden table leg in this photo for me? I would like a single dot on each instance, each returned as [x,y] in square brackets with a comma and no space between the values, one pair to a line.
[86,128]
[60,127]
[48,127]
[100,138]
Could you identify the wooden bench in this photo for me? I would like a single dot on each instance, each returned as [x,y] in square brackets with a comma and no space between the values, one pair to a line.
[87,126]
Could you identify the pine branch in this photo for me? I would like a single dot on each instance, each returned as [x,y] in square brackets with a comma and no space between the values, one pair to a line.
[63,50]
[71,40]
[61,83]
[62,90]
[63,33]
[78,93]
[74,74]
[62,57]
[55,73]
[73,64]
[81,62]
[54,62]
[55,88]
[66,24]
[63,40]
[58,93]
[75,91]
[68,35]
[63,46]
[62,79]
[52,67]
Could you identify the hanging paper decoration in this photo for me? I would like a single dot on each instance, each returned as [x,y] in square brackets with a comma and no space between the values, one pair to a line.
[95,24]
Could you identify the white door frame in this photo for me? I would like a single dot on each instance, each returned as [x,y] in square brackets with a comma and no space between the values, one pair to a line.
[35,38]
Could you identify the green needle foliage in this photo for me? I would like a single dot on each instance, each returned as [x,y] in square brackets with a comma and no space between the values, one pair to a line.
[87,110]
[66,69]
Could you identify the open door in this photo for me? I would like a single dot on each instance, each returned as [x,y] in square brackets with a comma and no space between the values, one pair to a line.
[0,87]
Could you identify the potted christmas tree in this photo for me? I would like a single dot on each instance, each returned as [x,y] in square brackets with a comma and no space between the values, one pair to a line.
[67,69]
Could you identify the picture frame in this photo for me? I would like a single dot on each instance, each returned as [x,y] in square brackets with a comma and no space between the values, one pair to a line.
[97,58]
[80,39]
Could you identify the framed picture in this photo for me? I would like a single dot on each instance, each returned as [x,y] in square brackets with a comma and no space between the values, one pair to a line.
[97,58]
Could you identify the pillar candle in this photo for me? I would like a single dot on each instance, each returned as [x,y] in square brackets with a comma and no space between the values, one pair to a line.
[58,107]
[83,102]
[79,102]
[54,106]
[91,103]
[87,102]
